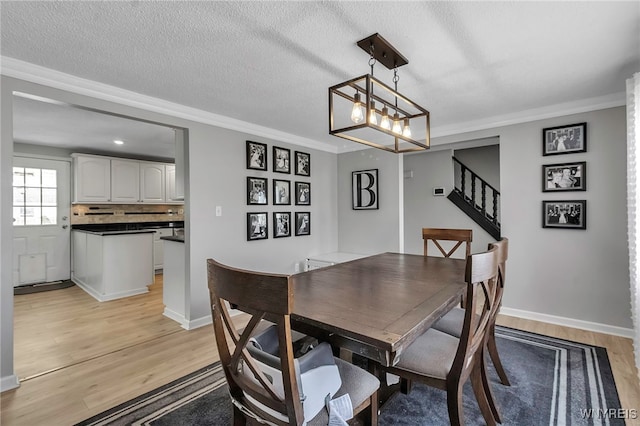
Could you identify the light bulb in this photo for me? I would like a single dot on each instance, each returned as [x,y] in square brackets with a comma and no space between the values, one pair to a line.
[372,113]
[406,132]
[396,124]
[384,122]
[357,113]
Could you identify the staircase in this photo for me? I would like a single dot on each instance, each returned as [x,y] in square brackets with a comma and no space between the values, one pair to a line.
[472,195]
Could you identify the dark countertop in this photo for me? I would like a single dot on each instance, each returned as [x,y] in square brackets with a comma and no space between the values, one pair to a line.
[174,239]
[109,233]
[110,227]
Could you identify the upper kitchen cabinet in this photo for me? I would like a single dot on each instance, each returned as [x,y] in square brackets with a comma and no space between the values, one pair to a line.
[125,181]
[100,180]
[152,182]
[92,178]
[170,182]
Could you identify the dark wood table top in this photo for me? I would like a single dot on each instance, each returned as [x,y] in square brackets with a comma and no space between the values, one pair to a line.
[378,305]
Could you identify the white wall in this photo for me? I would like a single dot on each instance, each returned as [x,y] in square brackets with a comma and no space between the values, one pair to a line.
[371,231]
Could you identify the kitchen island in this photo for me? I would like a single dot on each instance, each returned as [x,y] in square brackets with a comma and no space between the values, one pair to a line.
[112,264]
[174,288]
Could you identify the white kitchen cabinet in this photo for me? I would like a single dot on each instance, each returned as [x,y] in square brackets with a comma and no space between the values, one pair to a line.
[99,179]
[125,181]
[152,182]
[92,179]
[111,265]
[158,246]
[170,182]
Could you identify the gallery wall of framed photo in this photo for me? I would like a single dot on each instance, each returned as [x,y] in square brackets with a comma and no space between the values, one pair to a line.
[280,189]
[564,177]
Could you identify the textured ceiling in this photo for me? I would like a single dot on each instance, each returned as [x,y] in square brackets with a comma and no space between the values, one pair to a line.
[270,63]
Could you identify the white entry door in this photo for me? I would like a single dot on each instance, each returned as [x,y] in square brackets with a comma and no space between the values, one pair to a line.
[41,230]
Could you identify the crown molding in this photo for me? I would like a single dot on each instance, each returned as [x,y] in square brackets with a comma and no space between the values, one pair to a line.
[40,75]
[32,73]
[558,110]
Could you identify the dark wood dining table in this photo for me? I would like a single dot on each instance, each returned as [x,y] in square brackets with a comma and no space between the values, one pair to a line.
[378,305]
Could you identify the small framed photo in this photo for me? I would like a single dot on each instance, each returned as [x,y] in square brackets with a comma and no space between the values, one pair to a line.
[281,224]
[303,223]
[564,177]
[303,194]
[364,190]
[303,164]
[564,139]
[281,160]
[564,214]
[281,192]
[257,191]
[257,228]
[256,156]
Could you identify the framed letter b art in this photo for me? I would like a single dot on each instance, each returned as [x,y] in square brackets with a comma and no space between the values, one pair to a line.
[364,189]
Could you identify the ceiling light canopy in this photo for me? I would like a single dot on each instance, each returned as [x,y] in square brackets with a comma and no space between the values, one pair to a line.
[367,111]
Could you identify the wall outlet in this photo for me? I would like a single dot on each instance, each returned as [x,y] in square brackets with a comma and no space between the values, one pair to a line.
[218,210]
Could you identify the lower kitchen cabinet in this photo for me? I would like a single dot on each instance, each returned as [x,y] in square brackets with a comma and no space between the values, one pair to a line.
[158,247]
[112,265]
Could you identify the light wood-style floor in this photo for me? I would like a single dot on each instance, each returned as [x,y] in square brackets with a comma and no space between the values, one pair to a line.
[77,357]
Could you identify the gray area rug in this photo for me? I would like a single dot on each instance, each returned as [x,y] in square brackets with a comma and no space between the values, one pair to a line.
[554,382]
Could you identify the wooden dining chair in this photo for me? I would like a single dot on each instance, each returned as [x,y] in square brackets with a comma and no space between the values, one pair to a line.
[437,235]
[440,360]
[266,382]
[451,323]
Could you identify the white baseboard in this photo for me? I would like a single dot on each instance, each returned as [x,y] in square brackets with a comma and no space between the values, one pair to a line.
[569,322]
[179,318]
[199,322]
[111,296]
[9,382]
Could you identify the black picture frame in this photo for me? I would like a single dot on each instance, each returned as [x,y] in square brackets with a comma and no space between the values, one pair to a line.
[257,226]
[257,191]
[364,190]
[281,224]
[256,156]
[567,139]
[303,193]
[281,160]
[281,192]
[566,214]
[303,223]
[302,163]
[564,177]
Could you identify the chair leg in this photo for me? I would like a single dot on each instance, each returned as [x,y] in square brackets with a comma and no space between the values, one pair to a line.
[239,418]
[495,357]
[374,409]
[454,403]
[486,385]
[405,385]
[481,397]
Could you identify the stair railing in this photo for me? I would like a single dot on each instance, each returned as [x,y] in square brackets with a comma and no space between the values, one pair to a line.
[487,193]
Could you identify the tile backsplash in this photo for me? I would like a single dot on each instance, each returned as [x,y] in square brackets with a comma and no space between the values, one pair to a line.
[125,213]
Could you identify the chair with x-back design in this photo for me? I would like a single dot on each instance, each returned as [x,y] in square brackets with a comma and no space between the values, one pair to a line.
[437,235]
[267,383]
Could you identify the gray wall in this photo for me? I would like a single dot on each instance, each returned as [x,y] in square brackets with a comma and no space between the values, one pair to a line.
[371,231]
[580,275]
[484,161]
[422,209]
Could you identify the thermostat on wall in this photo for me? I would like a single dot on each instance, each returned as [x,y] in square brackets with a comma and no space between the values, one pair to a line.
[438,191]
